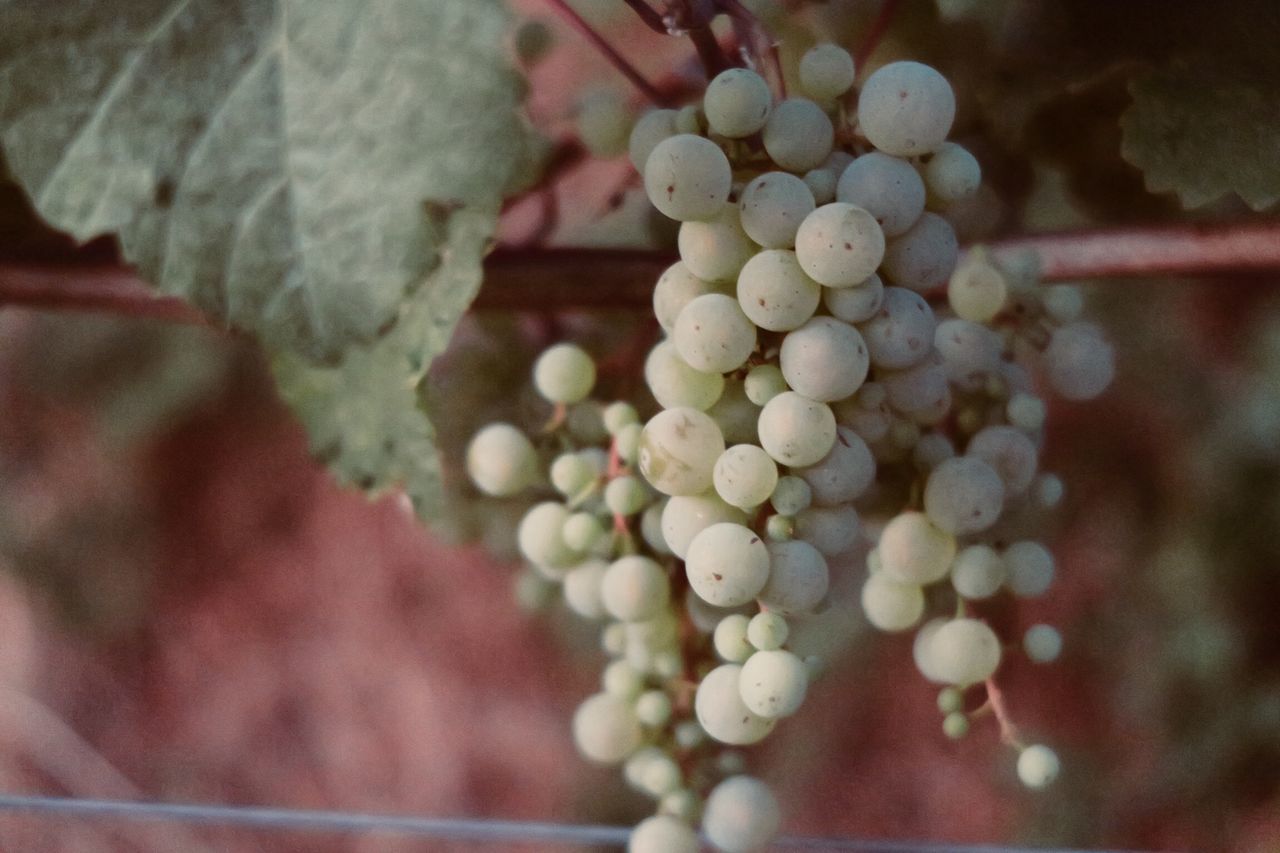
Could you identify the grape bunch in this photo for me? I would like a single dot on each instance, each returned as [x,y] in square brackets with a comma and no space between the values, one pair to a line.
[829,379]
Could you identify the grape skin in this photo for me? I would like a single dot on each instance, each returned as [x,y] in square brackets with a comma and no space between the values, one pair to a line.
[741,815]
[773,683]
[923,257]
[662,834]
[825,359]
[964,495]
[745,476]
[737,103]
[713,334]
[501,460]
[684,517]
[605,729]
[901,332]
[798,135]
[772,207]
[775,293]
[826,72]
[913,550]
[724,716]
[839,245]
[888,188]
[650,129]
[891,606]
[727,564]
[798,578]
[715,249]
[906,109]
[855,304]
[564,373]
[634,589]
[830,529]
[795,430]
[844,473]
[687,177]
[674,383]
[678,449]
[676,288]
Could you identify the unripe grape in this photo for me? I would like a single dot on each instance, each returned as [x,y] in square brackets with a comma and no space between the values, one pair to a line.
[501,460]
[687,177]
[564,374]
[737,102]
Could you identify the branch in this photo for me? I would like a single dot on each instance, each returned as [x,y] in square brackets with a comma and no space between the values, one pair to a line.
[542,280]
[649,15]
[602,44]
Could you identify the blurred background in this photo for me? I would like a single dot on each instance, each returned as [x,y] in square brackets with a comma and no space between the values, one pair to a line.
[191,610]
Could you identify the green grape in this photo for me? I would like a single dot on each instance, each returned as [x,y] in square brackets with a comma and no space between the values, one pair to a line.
[674,383]
[791,495]
[627,443]
[622,680]
[773,683]
[955,725]
[888,188]
[653,708]
[1038,766]
[950,700]
[605,729]
[501,460]
[678,451]
[764,382]
[571,473]
[826,72]
[713,334]
[773,205]
[564,374]
[581,531]
[662,834]
[767,631]
[906,109]
[775,293]
[745,476]
[798,135]
[634,589]
[737,103]
[977,572]
[840,245]
[923,257]
[650,129]
[727,564]
[722,713]
[604,124]
[952,174]
[795,430]
[626,495]
[730,638]
[741,815]
[780,528]
[889,605]
[688,177]
[618,415]
[715,249]
[914,551]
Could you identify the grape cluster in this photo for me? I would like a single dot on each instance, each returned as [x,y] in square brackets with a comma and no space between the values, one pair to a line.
[824,361]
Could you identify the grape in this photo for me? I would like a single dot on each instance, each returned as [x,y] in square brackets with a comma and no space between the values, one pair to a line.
[900,333]
[741,815]
[767,631]
[682,804]
[678,450]
[839,245]
[886,187]
[844,473]
[775,293]
[952,174]
[745,476]
[795,430]
[737,103]
[604,124]
[653,708]
[977,572]
[501,460]
[727,564]
[622,680]
[932,450]
[780,528]
[1080,362]
[1038,766]
[925,256]
[652,771]
[922,650]
[798,135]
[582,589]
[764,382]
[634,589]
[618,415]
[676,287]
[674,383]
[730,638]
[686,516]
[964,495]
[791,495]
[824,360]
[650,129]
[919,389]
[584,422]
[722,713]
[712,334]
[977,290]
[970,352]
[915,551]
[687,177]
[581,531]
[1048,490]
[1042,643]
[829,529]
[826,72]
[735,414]
[613,639]
[626,495]
[955,725]
[891,606]
[837,161]
[1063,303]
[855,304]
[688,734]
[773,206]
[627,444]
[906,109]
[1030,568]
[950,700]
[564,374]
[1026,412]
[541,539]
[605,729]
[798,578]
[964,651]
[822,185]
[532,591]
[773,683]
[662,834]
[715,249]
[689,119]
[1010,453]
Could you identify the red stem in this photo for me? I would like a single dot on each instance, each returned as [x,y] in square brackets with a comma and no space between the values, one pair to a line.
[995,701]
[888,9]
[602,44]
[544,280]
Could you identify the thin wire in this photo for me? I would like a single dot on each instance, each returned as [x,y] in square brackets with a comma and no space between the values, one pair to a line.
[472,829]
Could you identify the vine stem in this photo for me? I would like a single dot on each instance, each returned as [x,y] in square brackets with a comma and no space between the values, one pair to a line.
[616,59]
[1000,710]
[548,280]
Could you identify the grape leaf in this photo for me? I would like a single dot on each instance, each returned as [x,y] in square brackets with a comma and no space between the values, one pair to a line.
[1201,128]
[269,160]
[364,416]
